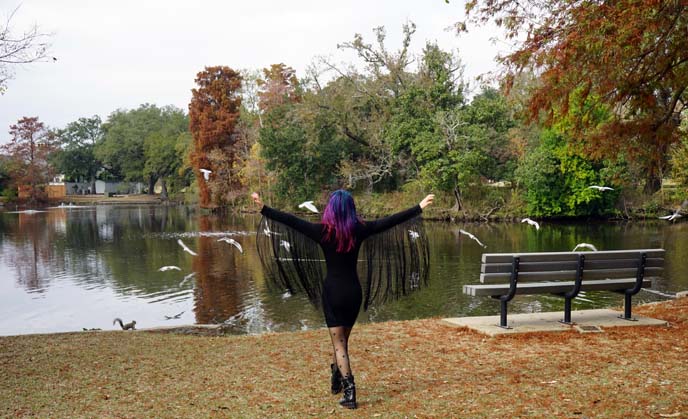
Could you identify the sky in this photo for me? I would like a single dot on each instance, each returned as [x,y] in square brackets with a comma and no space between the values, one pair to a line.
[120,54]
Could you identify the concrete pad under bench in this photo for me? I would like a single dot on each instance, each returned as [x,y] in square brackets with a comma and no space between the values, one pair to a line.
[549,321]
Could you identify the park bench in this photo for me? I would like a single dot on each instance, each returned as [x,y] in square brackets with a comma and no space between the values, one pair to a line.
[503,275]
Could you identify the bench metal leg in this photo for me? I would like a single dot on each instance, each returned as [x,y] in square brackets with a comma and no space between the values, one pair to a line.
[502,315]
[567,312]
[568,296]
[638,285]
[627,309]
[504,299]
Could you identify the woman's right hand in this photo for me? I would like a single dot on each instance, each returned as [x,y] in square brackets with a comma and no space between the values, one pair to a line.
[256,199]
[427,201]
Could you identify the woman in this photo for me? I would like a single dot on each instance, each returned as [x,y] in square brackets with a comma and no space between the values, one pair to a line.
[340,235]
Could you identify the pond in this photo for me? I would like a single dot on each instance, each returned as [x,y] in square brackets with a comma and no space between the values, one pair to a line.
[74,267]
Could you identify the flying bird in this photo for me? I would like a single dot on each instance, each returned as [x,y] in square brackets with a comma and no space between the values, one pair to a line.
[309,206]
[286,295]
[677,213]
[176,316]
[531,222]
[601,188]
[286,245]
[186,248]
[170,268]
[232,242]
[585,245]
[186,278]
[206,173]
[413,234]
[464,232]
[671,217]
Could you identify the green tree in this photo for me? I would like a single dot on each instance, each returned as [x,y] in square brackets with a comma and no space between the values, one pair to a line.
[123,149]
[162,158]
[555,179]
[76,156]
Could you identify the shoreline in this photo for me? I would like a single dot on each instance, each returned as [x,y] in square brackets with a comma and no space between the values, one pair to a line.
[431,214]
[402,369]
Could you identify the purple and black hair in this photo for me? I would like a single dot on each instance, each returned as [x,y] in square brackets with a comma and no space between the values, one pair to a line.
[339,219]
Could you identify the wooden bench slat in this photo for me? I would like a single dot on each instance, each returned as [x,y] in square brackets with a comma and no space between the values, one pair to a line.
[569,265]
[497,278]
[555,287]
[570,256]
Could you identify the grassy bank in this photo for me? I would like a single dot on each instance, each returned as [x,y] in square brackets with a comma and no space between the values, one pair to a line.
[403,369]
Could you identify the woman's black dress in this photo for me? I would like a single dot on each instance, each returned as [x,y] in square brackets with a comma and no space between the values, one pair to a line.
[341,291]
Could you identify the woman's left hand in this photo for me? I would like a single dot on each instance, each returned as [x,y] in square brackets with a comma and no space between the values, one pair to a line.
[427,201]
[256,199]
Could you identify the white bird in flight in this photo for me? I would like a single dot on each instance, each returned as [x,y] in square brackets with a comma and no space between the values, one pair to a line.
[232,242]
[186,248]
[309,206]
[286,245]
[206,173]
[472,237]
[531,222]
[170,268]
[413,234]
[677,213]
[671,217]
[585,245]
[186,278]
[601,188]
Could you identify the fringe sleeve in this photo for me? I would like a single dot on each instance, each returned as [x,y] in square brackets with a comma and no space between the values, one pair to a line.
[397,262]
[291,260]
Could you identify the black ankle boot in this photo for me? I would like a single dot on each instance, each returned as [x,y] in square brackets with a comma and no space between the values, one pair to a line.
[335,380]
[349,399]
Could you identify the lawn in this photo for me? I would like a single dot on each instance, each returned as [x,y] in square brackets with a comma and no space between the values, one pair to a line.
[403,369]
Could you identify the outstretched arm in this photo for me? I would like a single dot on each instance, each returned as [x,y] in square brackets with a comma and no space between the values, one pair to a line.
[311,230]
[382,224]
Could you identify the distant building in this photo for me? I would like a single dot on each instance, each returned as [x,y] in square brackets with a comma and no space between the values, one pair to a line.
[58,188]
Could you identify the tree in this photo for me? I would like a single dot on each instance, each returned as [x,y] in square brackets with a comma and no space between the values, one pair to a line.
[76,156]
[28,152]
[617,70]
[555,179]
[5,178]
[278,86]
[162,159]
[123,149]
[16,49]
[213,114]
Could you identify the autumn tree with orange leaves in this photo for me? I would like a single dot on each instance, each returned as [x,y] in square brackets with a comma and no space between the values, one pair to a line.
[213,116]
[615,72]
[278,86]
[28,153]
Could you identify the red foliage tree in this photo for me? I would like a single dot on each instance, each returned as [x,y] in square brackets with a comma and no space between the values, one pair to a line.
[213,115]
[28,153]
[615,71]
[278,86]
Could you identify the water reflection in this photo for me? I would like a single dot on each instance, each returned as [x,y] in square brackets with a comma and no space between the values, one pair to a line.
[79,267]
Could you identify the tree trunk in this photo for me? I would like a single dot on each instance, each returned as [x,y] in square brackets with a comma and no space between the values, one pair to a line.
[458,206]
[151,185]
[163,194]
[93,185]
[653,183]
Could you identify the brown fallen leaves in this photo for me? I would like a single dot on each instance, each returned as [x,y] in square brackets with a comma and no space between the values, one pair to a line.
[403,369]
